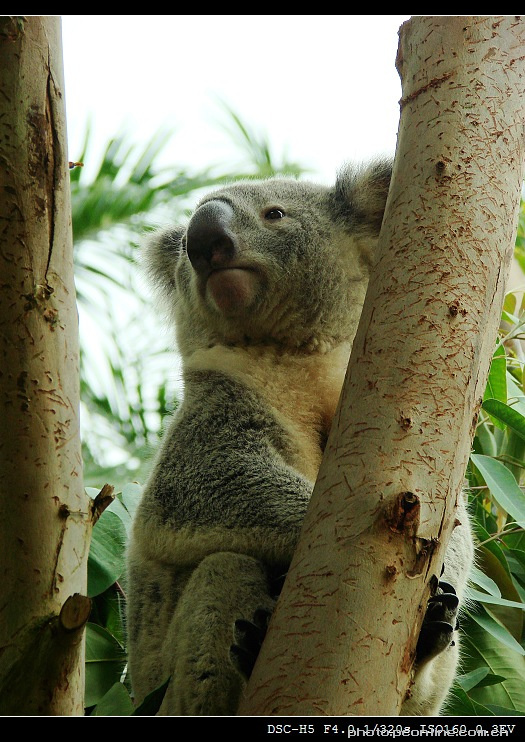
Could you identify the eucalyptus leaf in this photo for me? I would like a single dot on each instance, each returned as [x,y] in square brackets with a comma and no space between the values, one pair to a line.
[497,381]
[512,319]
[502,485]
[502,711]
[471,679]
[492,559]
[507,415]
[485,441]
[515,395]
[519,559]
[509,305]
[484,598]
[490,679]
[481,579]
[498,631]
[479,648]
[495,564]
[460,704]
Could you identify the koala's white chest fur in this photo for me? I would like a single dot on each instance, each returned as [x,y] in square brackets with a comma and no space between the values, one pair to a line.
[301,389]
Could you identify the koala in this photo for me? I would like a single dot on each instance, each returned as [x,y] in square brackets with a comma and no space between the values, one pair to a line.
[265,286]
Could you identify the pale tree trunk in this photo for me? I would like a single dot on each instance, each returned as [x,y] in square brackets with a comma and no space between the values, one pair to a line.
[45,514]
[343,635]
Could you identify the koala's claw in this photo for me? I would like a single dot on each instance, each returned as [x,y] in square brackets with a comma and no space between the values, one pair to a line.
[446,587]
[439,623]
[248,639]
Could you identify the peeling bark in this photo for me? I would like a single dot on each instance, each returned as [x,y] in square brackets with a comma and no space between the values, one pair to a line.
[383,506]
[45,514]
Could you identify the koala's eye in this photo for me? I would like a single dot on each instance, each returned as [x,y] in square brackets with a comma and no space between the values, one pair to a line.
[274,213]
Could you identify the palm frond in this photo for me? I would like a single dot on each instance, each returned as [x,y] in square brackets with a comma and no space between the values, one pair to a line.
[256,148]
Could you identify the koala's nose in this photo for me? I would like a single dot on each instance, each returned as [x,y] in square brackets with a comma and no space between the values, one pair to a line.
[210,243]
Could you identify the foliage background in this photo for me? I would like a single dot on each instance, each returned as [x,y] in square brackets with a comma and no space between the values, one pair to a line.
[129,384]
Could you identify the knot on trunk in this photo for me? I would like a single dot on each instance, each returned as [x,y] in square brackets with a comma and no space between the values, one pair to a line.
[403,514]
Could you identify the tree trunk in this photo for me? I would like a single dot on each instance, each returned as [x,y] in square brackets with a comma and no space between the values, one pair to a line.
[45,513]
[342,639]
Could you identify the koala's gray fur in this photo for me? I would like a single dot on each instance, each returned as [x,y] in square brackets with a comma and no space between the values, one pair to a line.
[265,286]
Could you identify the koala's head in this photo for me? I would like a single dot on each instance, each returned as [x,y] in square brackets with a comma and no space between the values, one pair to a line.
[274,261]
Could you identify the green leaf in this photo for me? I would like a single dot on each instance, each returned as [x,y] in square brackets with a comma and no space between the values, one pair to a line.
[485,441]
[498,631]
[105,662]
[106,555]
[151,704]
[519,561]
[492,558]
[480,578]
[507,415]
[497,381]
[144,168]
[460,704]
[491,599]
[478,648]
[516,397]
[131,496]
[515,540]
[502,485]
[108,611]
[471,679]
[503,711]
[121,511]
[480,677]
[495,564]
[116,702]
[490,679]
[509,303]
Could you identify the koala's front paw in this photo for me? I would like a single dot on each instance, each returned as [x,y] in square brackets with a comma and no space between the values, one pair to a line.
[248,639]
[439,623]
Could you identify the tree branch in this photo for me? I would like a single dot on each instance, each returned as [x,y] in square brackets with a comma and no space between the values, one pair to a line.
[342,639]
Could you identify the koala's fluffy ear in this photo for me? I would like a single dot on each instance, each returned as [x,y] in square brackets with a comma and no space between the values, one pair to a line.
[364,191]
[159,254]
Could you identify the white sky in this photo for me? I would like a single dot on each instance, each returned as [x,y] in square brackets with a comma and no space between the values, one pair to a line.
[322,87]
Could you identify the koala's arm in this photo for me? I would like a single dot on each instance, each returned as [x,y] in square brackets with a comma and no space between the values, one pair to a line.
[219,519]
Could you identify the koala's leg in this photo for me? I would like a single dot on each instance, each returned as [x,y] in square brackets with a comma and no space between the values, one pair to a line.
[439,624]
[437,655]
[224,588]
[152,596]
[438,647]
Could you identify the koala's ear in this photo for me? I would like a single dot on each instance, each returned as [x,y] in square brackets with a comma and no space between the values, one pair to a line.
[363,191]
[159,254]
